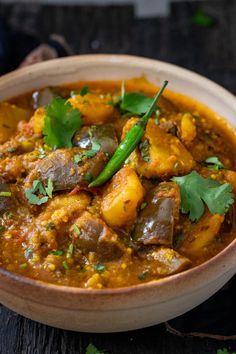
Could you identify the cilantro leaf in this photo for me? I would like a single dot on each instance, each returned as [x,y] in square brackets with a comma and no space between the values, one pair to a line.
[202,19]
[57,252]
[196,190]
[91,349]
[33,199]
[224,351]
[84,91]
[39,187]
[49,188]
[89,153]
[135,103]
[99,267]
[213,163]
[144,148]
[60,123]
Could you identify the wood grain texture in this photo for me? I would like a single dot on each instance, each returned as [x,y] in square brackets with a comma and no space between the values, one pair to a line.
[90,29]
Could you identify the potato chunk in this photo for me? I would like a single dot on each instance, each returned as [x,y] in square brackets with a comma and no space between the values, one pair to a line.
[122,197]
[38,120]
[10,115]
[188,129]
[95,108]
[198,236]
[165,155]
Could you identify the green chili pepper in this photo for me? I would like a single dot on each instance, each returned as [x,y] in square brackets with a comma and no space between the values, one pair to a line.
[128,144]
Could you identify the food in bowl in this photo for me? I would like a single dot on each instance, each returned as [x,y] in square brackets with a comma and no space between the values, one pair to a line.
[167,208]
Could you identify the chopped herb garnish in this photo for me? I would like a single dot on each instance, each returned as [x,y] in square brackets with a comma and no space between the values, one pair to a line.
[9,215]
[50,226]
[144,148]
[23,266]
[12,149]
[41,153]
[65,265]
[28,253]
[76,229]
[60,123]
[200,18]
[49,188]
[143,275]
[143,205]
[84,91]
[91,349]
[224,351]
[111,103]
[178,239]
[82,269]
[70,251]
[88,177]
[99,267]
[78,158]
[213,163]
[2,228]
[5,194]
[39,187]
[57,252]
[196,190]
[89,153]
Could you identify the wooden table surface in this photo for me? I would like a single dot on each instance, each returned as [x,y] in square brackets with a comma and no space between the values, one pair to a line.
[210,51]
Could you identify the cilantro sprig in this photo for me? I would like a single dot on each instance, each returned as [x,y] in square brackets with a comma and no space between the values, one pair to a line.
[60,123]
[134,102]
[196,190]
[91,349]
[213,163]
[38,187]
[89,153]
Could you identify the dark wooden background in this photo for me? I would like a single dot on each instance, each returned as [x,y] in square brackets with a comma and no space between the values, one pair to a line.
[210,51]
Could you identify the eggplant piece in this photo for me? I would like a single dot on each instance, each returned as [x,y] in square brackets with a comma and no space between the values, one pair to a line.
[42,98]
[93,235]
[164,261]
[104,135]
[155,225]
[6,203]
[64,173]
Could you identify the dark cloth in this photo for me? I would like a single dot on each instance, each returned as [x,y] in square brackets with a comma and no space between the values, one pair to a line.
[14,46]
[215,318]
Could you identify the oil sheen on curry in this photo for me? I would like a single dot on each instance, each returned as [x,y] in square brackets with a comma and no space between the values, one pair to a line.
[164,209]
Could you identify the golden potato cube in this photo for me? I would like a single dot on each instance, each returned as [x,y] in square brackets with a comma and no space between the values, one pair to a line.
[167,156]
[38,120]
[10,116]
[94,108]
[122,197]
[198,236]
[188,129]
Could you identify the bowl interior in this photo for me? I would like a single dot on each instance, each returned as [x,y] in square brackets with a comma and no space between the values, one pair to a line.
[108,67]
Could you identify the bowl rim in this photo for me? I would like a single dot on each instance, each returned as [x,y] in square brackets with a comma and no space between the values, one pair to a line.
[228,252]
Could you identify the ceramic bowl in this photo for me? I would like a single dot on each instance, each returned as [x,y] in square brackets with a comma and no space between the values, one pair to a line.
[133,307]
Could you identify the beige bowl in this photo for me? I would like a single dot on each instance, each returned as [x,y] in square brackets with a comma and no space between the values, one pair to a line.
[137,306]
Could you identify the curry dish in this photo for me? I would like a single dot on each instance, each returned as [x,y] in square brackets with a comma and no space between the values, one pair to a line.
[166,208]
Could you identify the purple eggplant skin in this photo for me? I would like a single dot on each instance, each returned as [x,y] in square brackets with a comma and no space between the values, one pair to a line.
[155,223]
[6,203]
[96,236]
[42,97]
[64,173]
[104,135]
